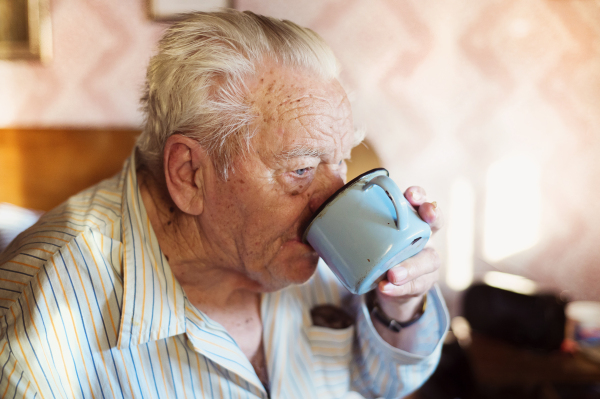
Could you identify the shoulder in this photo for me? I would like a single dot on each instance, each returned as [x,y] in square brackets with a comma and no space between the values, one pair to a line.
[65,236]
[98,208]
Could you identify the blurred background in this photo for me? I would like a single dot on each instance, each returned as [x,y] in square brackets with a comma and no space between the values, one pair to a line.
[493,106]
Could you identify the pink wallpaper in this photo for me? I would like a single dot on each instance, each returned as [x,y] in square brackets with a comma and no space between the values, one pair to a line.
[445,90]
[101,49]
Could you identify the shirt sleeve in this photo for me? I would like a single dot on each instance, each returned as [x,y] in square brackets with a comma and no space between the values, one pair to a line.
[377,368]
[14,381]
[381,370]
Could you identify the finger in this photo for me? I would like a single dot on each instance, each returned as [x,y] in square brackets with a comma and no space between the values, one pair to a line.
[415,196]
[425,262]
[431,213]
[416,287]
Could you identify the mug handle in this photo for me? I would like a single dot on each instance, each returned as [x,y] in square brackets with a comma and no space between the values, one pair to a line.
[391,189]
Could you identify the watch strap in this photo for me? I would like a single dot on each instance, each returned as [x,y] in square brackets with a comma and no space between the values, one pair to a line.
[392,324]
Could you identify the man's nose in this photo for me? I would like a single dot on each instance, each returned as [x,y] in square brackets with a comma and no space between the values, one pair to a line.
[329,182]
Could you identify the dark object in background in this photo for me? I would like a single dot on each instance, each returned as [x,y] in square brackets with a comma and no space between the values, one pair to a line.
[565,391]
[531,321]
[544,391]
[453,377]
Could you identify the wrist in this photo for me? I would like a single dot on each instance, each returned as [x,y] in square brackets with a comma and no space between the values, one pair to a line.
[401,310]
[395,315]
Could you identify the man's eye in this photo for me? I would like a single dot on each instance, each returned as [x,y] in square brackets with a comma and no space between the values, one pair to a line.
[300,172]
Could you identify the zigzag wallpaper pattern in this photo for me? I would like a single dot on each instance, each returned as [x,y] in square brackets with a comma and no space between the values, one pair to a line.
[444,89]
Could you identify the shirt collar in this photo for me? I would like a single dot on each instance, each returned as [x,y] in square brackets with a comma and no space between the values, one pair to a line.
[153,300]
[154,304]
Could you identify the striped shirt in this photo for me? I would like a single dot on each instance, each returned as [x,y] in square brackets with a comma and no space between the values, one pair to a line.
[89,308]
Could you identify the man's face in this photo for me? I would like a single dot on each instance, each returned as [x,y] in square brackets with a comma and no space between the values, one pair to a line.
[304,131]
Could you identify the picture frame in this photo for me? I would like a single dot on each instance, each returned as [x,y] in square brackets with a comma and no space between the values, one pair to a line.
[169,10]
[25,30]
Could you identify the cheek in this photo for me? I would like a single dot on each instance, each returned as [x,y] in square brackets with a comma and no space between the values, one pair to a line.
[278,219]
[285,210]
[301,189]
[265,213]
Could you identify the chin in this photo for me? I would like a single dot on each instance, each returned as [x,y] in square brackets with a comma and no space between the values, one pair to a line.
[295,268]
[304,269]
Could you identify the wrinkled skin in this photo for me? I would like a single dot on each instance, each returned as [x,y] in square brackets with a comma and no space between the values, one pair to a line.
[259,214]
[230,240]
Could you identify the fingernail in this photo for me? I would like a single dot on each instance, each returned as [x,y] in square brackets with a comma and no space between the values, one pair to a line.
[434,203]
[416,196]
[388,287]
[400,274]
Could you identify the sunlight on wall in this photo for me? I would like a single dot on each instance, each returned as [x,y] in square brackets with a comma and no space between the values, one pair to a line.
[513,207]
[461,235]
[510,282]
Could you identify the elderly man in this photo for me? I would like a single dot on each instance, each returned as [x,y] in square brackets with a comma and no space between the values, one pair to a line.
[185,276]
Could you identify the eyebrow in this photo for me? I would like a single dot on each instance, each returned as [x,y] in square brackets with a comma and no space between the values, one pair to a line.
[301,150]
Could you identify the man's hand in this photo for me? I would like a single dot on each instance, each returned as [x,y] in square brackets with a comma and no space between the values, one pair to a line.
[400,296]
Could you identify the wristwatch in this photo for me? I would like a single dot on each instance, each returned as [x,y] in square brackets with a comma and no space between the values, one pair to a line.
[391,324]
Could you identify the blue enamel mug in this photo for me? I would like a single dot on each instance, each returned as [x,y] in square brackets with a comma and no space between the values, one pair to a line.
[366,228]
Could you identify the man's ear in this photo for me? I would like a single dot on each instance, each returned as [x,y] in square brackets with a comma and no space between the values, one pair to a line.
[185,162]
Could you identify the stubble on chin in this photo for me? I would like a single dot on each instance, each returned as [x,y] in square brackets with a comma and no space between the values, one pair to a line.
[295,272]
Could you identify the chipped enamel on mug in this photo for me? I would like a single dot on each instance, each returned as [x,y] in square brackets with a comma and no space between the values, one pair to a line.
[366,228]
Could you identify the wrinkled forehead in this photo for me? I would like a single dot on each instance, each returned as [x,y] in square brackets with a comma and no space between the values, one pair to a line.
[298,113]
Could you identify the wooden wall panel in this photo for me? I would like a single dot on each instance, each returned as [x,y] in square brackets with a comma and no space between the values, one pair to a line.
[40,168]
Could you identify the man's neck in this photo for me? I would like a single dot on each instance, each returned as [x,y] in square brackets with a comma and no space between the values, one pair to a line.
[225,294]
[204,274]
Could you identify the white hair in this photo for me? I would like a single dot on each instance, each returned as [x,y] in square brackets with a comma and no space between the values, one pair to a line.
[195,83]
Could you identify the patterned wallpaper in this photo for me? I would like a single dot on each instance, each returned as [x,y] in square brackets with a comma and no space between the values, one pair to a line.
[101,49]
[491,103]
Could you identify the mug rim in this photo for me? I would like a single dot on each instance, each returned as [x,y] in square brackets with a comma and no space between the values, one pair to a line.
[335,195]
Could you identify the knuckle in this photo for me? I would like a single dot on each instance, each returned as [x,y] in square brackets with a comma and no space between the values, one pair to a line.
[419,286]
[434,257]
[401,290]
[410,270]
[436,260]
[398,291]
[412,287]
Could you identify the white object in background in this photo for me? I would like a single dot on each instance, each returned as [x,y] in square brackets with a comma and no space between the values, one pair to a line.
[511,282]
[513,207]
[583,327]
[13,220]
[586,316]
[461,330]
[461,235]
